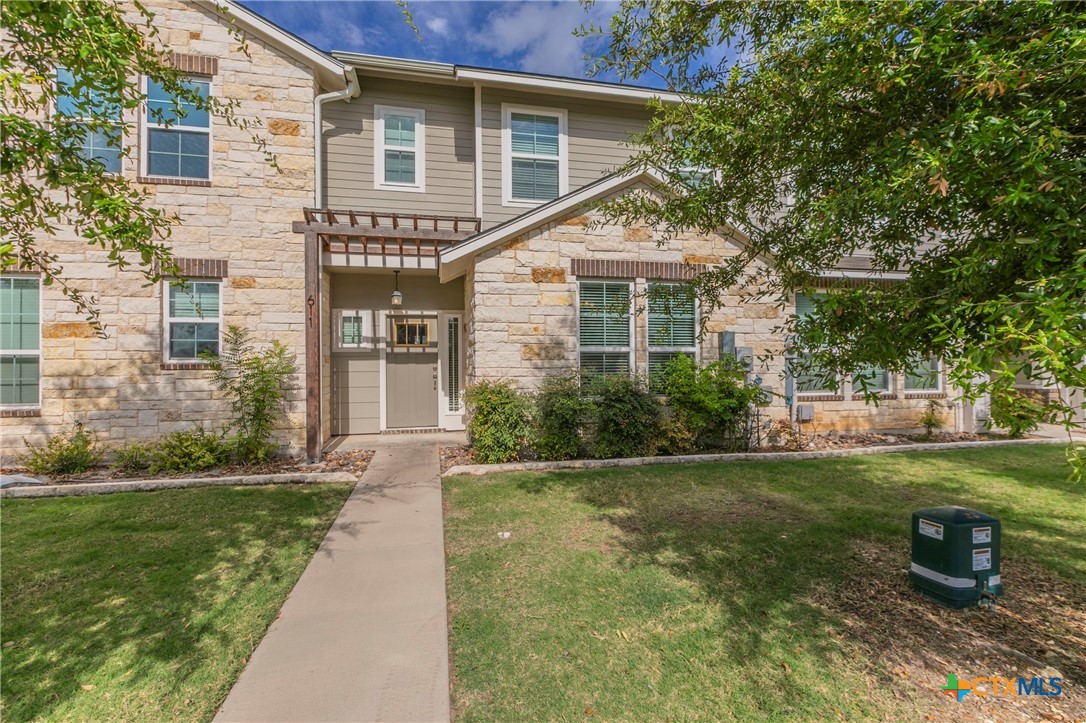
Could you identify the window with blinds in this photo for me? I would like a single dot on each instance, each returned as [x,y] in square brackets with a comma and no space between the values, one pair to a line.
[875,378]
[534,148]
[672,328]
[454,363]
[399,135]
[604,328]
[193,320]
[811,380]
[923,376]
[20,341]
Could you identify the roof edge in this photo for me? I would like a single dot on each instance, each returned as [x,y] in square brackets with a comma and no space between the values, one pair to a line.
[330,73]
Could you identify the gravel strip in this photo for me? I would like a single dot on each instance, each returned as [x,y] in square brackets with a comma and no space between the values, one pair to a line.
[147,485]
[481,469]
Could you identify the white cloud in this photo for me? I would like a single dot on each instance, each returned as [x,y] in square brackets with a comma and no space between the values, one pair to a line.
[438,26]
[539,35]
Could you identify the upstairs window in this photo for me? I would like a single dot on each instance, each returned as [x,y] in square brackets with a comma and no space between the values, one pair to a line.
[400,146]
[604,330]
[101,143]
[672,328]
[177,144]
[533,155]
[193,320]
[20,341]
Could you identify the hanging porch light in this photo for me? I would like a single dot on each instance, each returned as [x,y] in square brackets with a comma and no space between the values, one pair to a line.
[397,297]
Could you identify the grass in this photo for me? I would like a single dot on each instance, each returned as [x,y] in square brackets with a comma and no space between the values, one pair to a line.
[146,606]
[763,590]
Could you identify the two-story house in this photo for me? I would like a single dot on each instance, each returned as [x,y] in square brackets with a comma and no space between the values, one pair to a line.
[431,227]
[454,244]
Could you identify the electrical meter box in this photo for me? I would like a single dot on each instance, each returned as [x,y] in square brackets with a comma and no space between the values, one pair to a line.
[955,559]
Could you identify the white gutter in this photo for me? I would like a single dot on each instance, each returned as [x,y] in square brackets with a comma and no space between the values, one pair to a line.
[353,90]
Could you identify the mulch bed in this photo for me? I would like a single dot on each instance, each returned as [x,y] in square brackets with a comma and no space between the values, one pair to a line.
[462,454]
[352,462]
[1037,629]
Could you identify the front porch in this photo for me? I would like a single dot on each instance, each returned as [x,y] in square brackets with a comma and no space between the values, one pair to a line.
[384,337]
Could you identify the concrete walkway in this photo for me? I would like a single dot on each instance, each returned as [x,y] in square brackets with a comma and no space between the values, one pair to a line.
[363,635]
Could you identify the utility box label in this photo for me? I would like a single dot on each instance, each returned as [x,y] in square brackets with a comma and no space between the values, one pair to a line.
[982,535]
[931,529]
[982,559]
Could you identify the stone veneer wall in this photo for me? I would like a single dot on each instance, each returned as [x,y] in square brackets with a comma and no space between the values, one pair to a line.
[117,385]
[522,316]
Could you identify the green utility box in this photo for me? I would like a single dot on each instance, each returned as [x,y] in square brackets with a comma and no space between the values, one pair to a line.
[955,556]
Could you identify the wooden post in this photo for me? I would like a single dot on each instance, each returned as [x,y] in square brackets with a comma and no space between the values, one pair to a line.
[312,348]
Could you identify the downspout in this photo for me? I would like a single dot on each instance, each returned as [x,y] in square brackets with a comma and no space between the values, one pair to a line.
[353,90]
[314,382]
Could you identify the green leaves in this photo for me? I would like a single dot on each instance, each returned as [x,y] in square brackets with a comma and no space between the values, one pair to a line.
[47,183]
[946,139]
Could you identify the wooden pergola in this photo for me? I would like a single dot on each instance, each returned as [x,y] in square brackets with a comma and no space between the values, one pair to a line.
[365,233]
[382,233]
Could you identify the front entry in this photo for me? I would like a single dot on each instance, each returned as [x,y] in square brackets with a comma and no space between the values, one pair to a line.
[412,372]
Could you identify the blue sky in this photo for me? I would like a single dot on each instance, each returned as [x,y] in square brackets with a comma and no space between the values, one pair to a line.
[534,36]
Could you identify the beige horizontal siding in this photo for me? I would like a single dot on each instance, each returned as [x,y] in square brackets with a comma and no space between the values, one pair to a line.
[450,154]
[598,132]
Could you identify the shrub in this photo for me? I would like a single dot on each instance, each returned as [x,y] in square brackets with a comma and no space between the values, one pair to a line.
[714,402]
[131,458]
[560,412]
[256,383]
[625,417]
[932,419]
[62,454]
[189,451]
[498,428]
[676,437]
[1016,412]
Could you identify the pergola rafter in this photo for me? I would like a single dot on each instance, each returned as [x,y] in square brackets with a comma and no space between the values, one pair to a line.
[383,233]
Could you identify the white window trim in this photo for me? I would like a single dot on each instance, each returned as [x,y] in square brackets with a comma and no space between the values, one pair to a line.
[632,350]
[379,148]
[888,391]
[507,153]
[366,315]
[27,352]
[166,319]
[939,387]
[120,124]
[451,416]
[841,380]
[145,125]
[695,350]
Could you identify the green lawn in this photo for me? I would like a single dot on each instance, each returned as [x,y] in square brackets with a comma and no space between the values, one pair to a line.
[763,590]
[146,606]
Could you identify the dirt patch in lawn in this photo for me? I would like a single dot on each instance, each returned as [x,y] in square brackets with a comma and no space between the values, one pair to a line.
[1037,629]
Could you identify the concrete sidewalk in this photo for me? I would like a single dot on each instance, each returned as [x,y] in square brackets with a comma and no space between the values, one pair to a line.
[363,635]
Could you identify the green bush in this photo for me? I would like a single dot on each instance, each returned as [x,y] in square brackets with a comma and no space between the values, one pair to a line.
[676,437]
[559,415]
[1016,412]
[256,383]
[62,454]
[713,403]
[625,417]
[189,451]
[131,458]
[499,426]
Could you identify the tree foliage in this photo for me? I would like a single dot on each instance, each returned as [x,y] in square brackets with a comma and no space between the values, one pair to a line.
[46,181]
[942,138]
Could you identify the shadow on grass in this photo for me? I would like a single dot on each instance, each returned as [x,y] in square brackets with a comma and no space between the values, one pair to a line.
[818,551]
[153,599]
